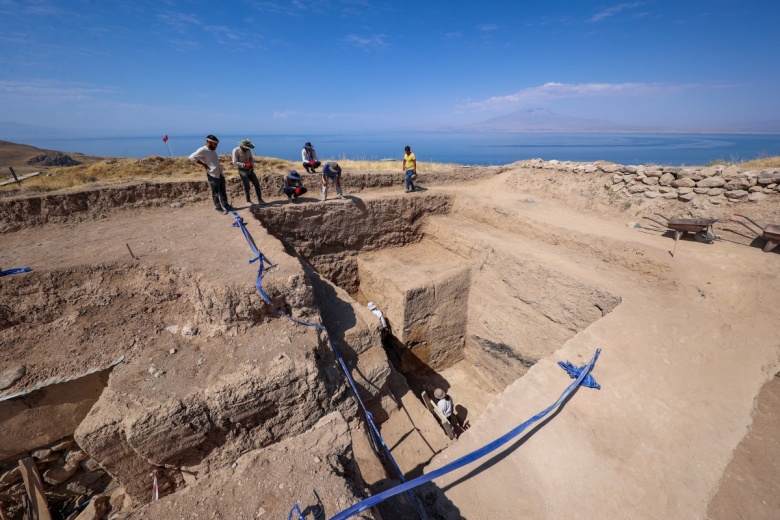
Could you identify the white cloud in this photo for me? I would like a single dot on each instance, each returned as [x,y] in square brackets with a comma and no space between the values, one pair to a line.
[553,90]
[366,41]
[612,11]
[51,91]
[487,27]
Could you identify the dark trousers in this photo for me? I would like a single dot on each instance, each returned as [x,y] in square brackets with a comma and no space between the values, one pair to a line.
[218,191]
[290,191]
[313,167]
[248,176]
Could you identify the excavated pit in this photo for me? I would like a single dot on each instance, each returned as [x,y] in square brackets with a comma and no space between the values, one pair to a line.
[180,407]
[466,316]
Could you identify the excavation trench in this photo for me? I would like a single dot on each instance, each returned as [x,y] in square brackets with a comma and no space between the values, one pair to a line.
[211,372]
[468,313]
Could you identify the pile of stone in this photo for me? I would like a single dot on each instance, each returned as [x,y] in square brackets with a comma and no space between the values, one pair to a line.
[67,472]
[717,183]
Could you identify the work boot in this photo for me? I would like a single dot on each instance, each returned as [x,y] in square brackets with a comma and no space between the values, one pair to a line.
[338,193]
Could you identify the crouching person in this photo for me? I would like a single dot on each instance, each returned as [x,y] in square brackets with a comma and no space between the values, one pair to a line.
[331,172]
[293,186]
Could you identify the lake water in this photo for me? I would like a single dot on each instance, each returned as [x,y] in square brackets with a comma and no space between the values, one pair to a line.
[461,148]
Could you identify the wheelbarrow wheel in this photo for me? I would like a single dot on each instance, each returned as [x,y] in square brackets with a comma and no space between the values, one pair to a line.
[705,236]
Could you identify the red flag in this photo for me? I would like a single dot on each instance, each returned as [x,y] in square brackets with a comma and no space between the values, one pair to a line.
[165,139]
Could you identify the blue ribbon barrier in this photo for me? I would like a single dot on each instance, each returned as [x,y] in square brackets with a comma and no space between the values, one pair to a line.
[375,436]
[298,516]
[471,457]
[16,271]
[574,373]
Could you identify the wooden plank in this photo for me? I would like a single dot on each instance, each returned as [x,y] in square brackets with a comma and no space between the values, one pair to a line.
[445,423]
[34,486]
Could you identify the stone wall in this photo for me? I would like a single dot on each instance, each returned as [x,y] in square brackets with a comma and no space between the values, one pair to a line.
[717,183]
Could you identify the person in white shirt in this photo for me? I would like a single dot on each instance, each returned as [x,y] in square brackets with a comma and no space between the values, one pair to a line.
[309,158]
[382,320]
[444,402]
[207,157]
[243,160]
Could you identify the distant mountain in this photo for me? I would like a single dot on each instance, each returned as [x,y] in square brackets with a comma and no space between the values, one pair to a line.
[543,120]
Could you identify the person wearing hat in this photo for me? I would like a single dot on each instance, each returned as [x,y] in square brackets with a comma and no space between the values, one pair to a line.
[331,171]
[293,186]
[207,157]
[382,321]
[444,402]
[243,160]
[309,158]
[410,167]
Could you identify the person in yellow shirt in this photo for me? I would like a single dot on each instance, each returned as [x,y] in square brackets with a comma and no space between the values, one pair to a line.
[410,167]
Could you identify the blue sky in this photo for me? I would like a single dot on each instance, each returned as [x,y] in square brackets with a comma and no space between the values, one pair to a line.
[100,68]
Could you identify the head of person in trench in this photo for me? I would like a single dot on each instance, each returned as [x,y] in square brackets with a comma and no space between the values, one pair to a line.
[439,393]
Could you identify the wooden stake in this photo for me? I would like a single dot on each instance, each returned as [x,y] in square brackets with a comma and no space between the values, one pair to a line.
[34,486]
[677,235]
[131,251]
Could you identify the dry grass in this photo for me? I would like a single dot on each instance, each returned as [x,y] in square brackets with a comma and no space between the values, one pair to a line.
[157,168]
[761,162]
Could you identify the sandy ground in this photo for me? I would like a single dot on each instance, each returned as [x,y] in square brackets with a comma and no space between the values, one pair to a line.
[684,357]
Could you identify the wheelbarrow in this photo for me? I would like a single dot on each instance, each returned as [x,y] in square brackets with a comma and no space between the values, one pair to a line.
[701,227]
[770,233]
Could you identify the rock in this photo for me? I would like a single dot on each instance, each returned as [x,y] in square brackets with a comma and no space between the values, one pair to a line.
[176,205]
[90,464]
[672,169]
[617,178]
[650,181]
[53,159]
[617,187]
[756,197]
[629,177]
[58,472]
[652,194]
[687,197]
[10,377]
[666,179]
[768,177]
[189,330]
[736,194]
[684,182]
[62,444]
[737,184]
[73,457]
[636,188]
[720,199]
[755,189]
[655,173]
[671,195]
[172,351]
[711,182]
[9,477]
[173,329]
[709,171]
[98,507]
[683,191]
[702,191]
[714,192]
[666,189]
[768,190]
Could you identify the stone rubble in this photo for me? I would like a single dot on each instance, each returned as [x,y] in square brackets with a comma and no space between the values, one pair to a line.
[718,183]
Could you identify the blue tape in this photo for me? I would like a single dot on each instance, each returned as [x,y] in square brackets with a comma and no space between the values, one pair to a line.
[375,436]
[16,271]
[469,458]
